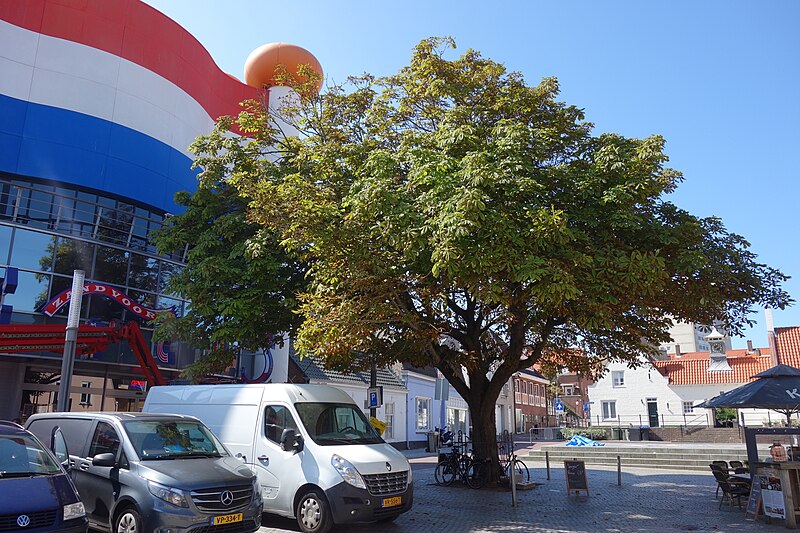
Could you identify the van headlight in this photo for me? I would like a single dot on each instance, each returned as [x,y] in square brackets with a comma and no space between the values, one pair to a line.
[168,494]
[73,511]
[348,471]
[410,476]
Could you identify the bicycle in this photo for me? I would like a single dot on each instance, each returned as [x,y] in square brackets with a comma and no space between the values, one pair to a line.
[509,463]
[519,468]
[472,471]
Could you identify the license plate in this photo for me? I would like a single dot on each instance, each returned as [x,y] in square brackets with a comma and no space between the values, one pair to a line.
[227,519]
[391,502]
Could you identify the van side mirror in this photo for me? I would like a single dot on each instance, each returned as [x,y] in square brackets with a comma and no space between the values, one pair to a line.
[291,441]
[104,459]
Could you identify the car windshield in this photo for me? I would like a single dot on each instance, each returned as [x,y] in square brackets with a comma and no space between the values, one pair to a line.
[23,455]
[336,423]
[172,439]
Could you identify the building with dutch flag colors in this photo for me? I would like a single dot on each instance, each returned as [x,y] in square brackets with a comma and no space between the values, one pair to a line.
[99,101]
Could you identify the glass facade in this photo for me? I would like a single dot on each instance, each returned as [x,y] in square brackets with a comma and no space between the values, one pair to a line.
[48,231]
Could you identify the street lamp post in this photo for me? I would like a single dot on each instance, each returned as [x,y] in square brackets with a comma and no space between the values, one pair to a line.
[68,362]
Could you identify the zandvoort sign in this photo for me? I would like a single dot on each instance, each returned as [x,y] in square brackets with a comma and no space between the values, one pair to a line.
[59,301]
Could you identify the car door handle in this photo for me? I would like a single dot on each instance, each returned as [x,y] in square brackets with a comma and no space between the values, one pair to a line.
[84,466]
[263,458]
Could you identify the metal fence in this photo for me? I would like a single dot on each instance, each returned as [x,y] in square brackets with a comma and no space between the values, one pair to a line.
[685,420]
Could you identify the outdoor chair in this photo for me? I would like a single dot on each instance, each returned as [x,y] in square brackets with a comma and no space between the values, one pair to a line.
[738,467]
[716,466]
[731,488]
[722,464]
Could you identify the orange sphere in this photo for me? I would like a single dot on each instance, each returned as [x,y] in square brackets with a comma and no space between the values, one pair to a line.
[261,64]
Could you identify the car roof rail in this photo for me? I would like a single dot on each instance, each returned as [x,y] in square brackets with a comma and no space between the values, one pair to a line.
[10,423]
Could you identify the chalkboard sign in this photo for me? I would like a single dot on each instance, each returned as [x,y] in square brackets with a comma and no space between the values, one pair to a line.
[575,472]
[754,503]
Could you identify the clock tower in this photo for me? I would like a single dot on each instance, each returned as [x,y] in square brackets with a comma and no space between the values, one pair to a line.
[718,360]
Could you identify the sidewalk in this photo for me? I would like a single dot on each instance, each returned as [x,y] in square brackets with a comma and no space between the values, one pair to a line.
[648,501]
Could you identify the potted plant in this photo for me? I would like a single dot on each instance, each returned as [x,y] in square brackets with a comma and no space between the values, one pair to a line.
[725,416]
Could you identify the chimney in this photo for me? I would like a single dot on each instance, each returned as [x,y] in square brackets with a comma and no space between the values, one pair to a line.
[749,346]
[677,351]
[771,339]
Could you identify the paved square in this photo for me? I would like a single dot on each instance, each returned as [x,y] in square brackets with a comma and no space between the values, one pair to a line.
[647,501]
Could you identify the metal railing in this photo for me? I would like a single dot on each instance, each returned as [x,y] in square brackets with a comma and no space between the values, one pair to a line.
[671,420]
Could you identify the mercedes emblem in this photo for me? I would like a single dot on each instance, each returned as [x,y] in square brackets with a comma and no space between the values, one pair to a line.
[388,467]
[23,520]
[226,497]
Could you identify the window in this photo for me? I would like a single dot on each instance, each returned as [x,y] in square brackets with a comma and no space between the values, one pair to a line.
[618,378]
[276,419]
[568,390]
[388,415]
[688,407]
[423,411]
[86,398]
[457,420]
[609,409]
[104,440]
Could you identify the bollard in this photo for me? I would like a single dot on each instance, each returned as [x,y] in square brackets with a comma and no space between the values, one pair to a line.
[513,481]
[547,460]
[619,472]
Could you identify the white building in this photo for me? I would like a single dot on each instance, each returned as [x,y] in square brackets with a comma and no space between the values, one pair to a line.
[664,392]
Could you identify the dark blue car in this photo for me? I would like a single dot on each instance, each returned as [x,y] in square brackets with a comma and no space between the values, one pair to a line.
[36,493]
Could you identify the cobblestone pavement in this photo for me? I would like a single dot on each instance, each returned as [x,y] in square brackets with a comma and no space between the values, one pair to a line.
[646,501]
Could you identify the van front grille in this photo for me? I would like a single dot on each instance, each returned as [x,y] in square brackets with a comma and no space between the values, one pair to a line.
[388,483]
[9,522]
[215,500]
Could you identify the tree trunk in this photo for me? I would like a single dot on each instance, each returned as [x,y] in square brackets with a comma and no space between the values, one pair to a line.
[484,432]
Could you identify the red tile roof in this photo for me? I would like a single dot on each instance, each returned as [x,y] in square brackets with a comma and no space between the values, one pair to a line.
[692,368]
[787,345]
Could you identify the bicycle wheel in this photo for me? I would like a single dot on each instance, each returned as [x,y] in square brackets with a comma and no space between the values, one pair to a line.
[477,474]
[445,472]
[521,471]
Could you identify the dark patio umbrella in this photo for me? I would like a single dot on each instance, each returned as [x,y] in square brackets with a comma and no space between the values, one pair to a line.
[777,389]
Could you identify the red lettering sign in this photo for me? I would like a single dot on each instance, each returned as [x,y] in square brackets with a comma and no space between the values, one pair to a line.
[59,301]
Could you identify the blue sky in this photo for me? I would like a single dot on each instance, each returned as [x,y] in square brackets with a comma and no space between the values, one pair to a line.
[718,79]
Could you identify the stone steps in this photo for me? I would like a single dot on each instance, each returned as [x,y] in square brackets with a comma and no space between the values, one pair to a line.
[674,457]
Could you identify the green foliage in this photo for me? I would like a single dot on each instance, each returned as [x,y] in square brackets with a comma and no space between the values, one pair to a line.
[589,433]
[240,281]
[725,414]
[453,215]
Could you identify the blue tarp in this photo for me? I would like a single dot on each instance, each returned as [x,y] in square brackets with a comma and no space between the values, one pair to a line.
[579,440]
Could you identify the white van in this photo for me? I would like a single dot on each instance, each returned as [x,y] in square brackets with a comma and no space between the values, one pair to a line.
[316,455]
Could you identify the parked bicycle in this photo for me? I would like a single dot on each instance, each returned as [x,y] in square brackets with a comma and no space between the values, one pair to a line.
[461,465]
[508,461]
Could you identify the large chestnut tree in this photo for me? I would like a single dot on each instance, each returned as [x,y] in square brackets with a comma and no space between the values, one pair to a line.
[454,215]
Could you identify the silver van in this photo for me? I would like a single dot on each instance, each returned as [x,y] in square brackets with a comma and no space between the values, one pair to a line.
[138,472]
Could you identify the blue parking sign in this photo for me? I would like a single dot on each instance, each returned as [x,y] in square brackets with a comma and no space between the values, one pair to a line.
[374,397]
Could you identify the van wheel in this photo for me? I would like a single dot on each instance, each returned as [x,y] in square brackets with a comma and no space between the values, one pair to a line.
[128,521]
[313,515]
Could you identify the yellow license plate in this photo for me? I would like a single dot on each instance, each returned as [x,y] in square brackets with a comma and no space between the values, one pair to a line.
[227,519]
[391,502]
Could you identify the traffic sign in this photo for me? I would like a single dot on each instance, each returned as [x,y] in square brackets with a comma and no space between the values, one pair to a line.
[559,405]
[374,397]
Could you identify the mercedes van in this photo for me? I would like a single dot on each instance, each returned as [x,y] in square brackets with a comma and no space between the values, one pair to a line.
[154,473]
[317,457]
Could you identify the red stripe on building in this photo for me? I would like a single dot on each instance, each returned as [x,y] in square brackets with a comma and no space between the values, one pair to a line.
[141,34]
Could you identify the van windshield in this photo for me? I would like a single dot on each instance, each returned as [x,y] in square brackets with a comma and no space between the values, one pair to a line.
[336,423]
[172,439]
[21,455]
